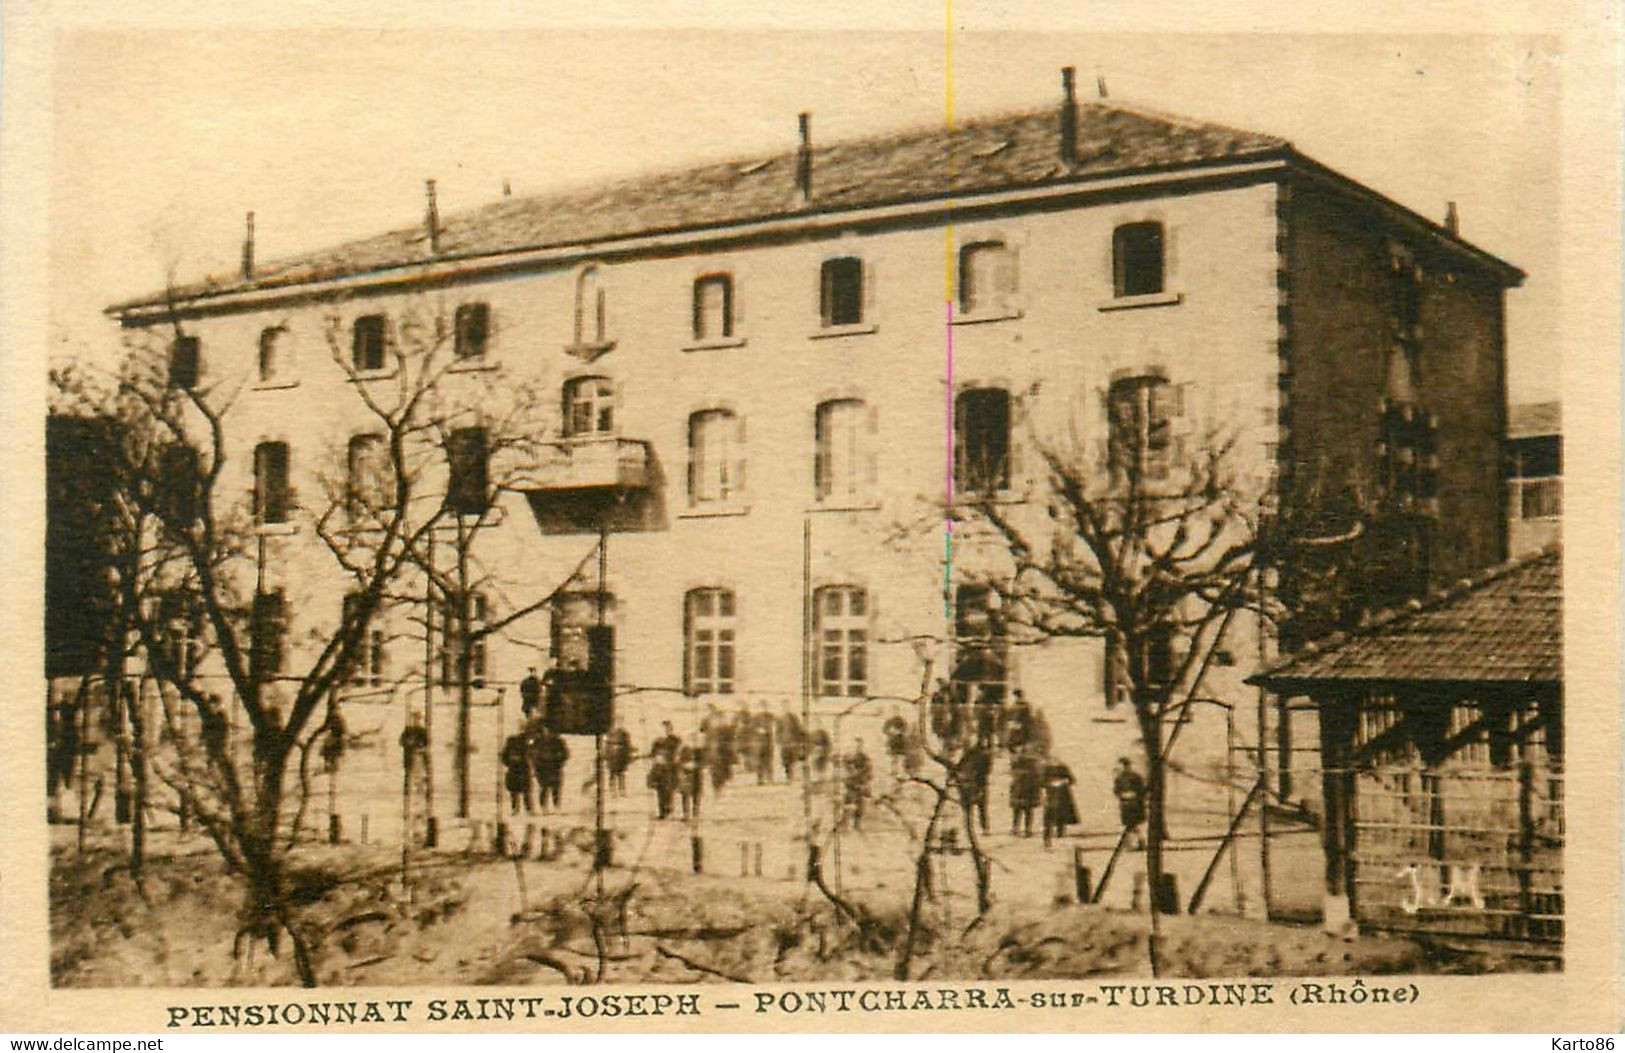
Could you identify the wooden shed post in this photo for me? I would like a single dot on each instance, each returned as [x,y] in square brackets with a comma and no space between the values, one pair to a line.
[1338,714]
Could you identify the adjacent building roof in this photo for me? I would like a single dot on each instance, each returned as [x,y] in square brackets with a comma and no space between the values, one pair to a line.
[1526,420]
[1504,626]
[1007,152]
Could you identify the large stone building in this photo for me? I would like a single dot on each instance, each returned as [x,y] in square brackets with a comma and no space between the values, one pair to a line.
[784,360]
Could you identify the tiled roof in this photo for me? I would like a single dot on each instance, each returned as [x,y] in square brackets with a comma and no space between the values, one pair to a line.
[995,153]
[1527,419]
[1504,626]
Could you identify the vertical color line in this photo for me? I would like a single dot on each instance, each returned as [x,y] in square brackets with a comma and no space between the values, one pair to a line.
[948,282]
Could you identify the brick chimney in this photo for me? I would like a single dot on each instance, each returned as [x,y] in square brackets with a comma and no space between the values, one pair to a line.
[1069,115]
[431,220]
[1452,219]
[248,249]
[804,160]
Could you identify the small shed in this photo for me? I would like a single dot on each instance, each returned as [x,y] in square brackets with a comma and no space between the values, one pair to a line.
[1441,754]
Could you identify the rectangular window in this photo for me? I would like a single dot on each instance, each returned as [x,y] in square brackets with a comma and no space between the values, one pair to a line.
[371,483]
[982,441]
[589,407]
[844,463]
[841,291]
[271,498]
[714,307]
[182,482]
[987,277]
[710,629]
[451,636]
[841,635]
[367,344]
[466,490]
[981,648]
[268,626]
[472,324]
[180,624]
[1137,259]
[1140,414]
[274,364]
[716,463]
[184,363]
[367,665]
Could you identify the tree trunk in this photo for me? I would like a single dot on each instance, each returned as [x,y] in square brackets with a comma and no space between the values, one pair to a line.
[138,766]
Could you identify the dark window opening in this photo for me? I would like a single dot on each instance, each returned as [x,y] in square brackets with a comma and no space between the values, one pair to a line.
[371,476]
[1137,259]
[271,498]
[367,343]
[981,647]
[982,441]
[714,307]
[181,481]
[841,295]
[469,461]
[184,363]
[268,627]
[472,330]
[368,661]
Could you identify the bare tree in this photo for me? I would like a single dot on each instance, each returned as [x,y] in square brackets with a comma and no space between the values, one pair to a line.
[1151,545]
[194,551]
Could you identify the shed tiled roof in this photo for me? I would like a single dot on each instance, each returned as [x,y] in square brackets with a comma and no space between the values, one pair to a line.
[1528,419]
[1503,626]
[995,153]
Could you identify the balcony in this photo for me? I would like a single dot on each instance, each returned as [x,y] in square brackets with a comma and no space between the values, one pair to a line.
[587,464]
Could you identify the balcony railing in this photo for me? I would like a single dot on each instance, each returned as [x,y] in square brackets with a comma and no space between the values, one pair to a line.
[1536,498]
[596,463]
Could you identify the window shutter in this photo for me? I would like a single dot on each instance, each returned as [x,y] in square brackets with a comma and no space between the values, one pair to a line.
[871,448]
[822,440]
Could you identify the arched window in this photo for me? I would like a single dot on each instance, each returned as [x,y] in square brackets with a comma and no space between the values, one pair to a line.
[987,277]
[592,326]
[710,629]
[716,457]
[844,465]
[1140,442]
[714,307]
[841,635]
[275,359]
[982,441]
[589,407]
[371,477]
[1137,259]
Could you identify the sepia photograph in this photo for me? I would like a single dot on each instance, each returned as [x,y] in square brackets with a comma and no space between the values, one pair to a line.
[787,517]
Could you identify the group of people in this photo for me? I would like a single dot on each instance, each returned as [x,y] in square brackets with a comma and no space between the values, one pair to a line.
[533,768]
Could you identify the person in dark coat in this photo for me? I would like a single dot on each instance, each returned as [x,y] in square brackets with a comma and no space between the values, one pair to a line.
[821,749]
[896,732]
[987,714]
[516,773]
[792,742]
[1060,806]
[663,770]
[859,773]
[761,743]
[1128,786]
[1024,791]
[1018,721]
[691,776]
[530,695]
[947,722]
[617,758]
[551,755]
[974,770]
